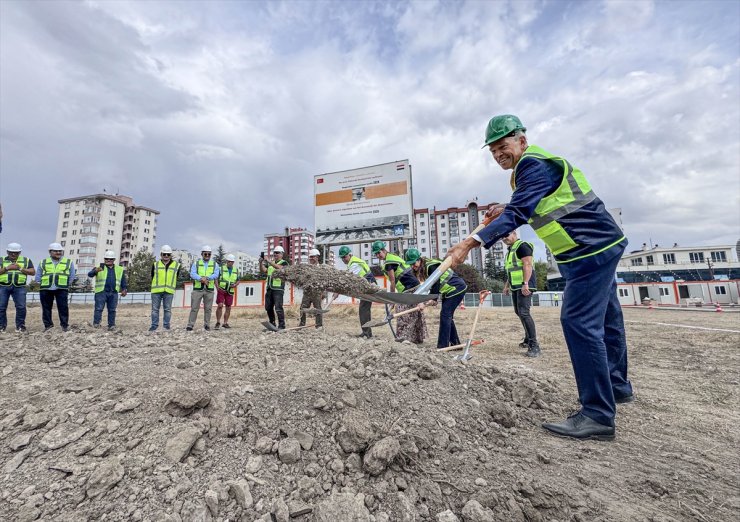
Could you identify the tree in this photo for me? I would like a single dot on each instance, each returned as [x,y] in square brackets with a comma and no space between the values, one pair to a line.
[139,273]
[471,276]
[220,255]
[495,286]
[540,270]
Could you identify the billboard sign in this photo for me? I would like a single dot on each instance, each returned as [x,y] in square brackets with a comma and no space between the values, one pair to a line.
[363,205]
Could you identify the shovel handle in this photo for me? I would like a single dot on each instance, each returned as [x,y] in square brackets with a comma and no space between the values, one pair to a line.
[459,346]
[297,328]
[410,310]
[447,263]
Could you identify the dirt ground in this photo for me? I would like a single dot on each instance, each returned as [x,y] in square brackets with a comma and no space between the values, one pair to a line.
[318,425]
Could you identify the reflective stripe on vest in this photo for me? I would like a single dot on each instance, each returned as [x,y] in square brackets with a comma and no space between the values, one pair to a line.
[365,272]
[393,258]
[514,266]
[205,271]
[55,274]
[226,282]
[445,288]
[102,276]
[573,193]
[165,277]
[275,283]
[14,277]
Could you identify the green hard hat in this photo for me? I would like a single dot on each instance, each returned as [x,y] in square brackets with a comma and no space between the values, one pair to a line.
[412,255]
[343,251]
[378,246]
[502,125]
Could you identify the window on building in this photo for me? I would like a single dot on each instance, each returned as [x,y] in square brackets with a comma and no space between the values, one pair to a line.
[444,241]
[73,242]
[423,250]
[663,291]
[66,214]
[423,232]
[719,257]
[637,261]
[696,257]
[64,225]
[74,232]
[64,233]
[624,292]
[443,234]
[71,252]
[423,241]
[720,290]
[77,212]
[441,225]
[649,260]
[669,259]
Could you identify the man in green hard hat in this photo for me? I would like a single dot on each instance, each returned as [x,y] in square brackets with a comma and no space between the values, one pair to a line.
[556,200]
[359,268]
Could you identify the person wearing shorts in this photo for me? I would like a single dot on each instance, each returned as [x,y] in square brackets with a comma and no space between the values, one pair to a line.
[227,281]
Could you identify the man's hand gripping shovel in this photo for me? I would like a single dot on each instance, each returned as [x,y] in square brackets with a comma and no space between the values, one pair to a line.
[465,356]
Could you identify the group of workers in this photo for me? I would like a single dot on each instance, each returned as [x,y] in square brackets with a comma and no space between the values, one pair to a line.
[549,194]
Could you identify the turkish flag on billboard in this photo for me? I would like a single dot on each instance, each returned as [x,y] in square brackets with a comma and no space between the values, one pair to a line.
[319,180]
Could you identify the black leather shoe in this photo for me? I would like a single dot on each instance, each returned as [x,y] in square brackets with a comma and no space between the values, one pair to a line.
[579,426]
[534,351]
[626,399]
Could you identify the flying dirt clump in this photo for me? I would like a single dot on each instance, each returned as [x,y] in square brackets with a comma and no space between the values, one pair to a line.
[323,278]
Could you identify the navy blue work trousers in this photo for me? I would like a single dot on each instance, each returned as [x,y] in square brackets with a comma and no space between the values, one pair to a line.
[594,332]
[447,331]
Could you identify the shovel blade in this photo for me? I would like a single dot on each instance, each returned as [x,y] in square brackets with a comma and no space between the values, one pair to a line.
[465,356]
[373,324]
[269,326]
[314,311]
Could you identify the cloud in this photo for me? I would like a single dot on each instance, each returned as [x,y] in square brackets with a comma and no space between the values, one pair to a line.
[219,114]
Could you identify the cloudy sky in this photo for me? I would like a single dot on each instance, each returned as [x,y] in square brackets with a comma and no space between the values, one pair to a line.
[219,114]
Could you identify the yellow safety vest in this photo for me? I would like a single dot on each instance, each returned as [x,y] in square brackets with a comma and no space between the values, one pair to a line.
[275,283]
[14,277]
[102,276]
[55,274]
[205,271]
[226,281]
[165,277]
[393,258]
[514,266]
[573,193]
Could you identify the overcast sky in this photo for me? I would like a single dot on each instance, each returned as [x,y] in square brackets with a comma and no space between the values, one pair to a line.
[220,114]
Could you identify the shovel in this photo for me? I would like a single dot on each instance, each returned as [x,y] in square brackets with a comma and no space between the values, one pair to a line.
[460,346]
[465,356]
[447,263]
[397,298]
[273,328]
[317,311]
[389,317]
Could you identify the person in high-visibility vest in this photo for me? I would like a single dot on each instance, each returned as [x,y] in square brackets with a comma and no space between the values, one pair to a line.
[556,200]
[204,273]
[110,279]
[360,268]
[55,276]
[165,273]
[14,272]
[227,283]
[312,298]
[274,287]
[451,290]
[520,283]
[393,265]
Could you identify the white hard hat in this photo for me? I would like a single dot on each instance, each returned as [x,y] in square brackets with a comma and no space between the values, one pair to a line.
[55,246]
[166,249]
[231,257]
[206,248]
[109,254]
[279,249]
[314,252]
[14,247]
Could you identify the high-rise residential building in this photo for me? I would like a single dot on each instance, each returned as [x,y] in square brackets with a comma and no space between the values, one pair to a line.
[245,263]
[436,230]
[185,258]
[87,226]
[297,243]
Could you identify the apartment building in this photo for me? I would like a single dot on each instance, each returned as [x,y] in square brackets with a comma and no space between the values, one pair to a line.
[245,263]
[297,243]
[87,226]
